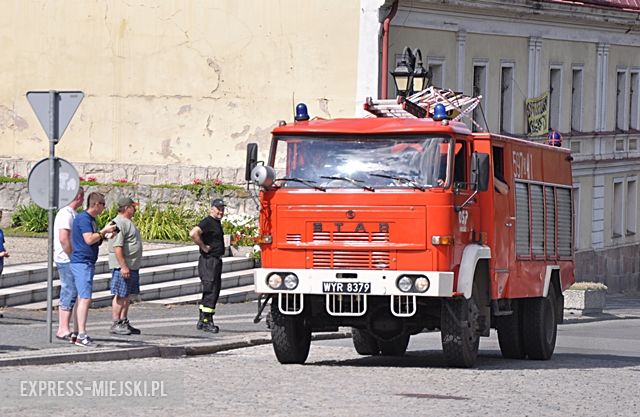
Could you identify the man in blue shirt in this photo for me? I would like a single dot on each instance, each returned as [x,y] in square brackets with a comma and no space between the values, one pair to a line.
[85,241]
[4,253]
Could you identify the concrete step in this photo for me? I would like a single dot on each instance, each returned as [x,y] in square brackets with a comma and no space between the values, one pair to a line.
[229,295]
[16,275]
[237,286]
[156,275]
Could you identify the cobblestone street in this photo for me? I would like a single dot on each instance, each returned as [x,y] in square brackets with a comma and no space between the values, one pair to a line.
[595,372]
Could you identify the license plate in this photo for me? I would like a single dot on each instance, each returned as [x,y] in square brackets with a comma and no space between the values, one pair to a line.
[346,287]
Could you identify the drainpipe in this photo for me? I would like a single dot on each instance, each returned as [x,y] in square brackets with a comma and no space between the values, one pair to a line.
[385,48]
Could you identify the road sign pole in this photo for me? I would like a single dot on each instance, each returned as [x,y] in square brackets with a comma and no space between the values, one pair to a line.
[54,110]
[53,198]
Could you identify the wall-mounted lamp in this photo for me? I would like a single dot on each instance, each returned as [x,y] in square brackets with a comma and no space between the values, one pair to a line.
[410,76]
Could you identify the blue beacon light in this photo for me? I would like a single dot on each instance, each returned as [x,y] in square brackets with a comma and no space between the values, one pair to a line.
[302,114]
[439,112]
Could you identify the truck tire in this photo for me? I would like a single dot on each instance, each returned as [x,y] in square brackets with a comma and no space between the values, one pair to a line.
[364,343]
[459,332]
[510,333]
[395,347]
[540,326]
[290,336]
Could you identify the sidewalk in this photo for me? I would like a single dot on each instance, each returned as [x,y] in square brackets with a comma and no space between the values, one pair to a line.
[171,332]
[166,332]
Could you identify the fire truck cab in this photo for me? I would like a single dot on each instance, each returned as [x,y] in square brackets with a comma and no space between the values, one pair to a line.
[397,225]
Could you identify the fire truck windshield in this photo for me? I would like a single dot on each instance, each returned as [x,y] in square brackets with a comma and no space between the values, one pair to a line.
[405,161]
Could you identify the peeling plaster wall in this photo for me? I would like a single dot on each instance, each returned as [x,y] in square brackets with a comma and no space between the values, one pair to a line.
[173,83]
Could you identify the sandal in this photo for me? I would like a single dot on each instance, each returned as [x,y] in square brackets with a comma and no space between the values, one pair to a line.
[65,337]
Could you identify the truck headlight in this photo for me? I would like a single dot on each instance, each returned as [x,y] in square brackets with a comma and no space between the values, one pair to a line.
[405,284]
[274,281]
[290,281]
[421,284]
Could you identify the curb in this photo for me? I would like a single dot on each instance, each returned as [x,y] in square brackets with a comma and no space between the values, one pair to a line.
[167,352]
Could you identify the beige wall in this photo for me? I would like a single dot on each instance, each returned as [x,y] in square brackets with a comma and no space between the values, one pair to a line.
[177,83]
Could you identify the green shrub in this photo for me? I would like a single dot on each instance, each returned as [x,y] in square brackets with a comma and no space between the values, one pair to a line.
[15,178]
[31,218]
[172,224]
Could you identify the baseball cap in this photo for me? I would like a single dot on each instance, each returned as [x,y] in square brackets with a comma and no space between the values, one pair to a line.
[217,202]
[126,201]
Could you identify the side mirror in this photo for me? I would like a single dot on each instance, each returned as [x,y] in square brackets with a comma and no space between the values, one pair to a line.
[480,171]
[252,160]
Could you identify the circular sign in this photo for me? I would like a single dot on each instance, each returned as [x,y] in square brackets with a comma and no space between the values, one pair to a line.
[67,178]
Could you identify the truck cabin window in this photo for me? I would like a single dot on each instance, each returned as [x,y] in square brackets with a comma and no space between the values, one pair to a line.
[353,162]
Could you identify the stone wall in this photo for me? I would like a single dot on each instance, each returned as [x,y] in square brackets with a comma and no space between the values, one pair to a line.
[139,174]
[617,268]
[238,201]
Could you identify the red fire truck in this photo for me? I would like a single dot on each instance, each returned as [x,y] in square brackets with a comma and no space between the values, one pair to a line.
[408,221]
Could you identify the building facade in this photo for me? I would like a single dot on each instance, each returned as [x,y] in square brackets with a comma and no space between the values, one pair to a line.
[175,90]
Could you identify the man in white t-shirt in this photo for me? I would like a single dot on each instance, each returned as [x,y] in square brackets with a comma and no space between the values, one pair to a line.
[62,227]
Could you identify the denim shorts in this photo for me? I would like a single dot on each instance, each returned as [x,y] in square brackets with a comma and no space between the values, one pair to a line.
[83,277]
[123,287]
[68,292]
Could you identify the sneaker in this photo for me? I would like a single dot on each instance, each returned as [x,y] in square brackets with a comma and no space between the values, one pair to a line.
[132,329]
[73,337]
[118,327]
[85,341]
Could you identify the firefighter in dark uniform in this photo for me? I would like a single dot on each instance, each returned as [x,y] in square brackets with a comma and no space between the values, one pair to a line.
[208,235]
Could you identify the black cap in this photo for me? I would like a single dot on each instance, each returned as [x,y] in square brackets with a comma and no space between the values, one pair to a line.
[217,202]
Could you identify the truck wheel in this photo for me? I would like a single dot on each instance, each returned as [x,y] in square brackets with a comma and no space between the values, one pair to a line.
[459,332]
[364,343]
[540,326]
[290,336]
[510,333]
[395,347]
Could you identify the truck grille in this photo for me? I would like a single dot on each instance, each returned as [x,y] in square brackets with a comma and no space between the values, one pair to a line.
[326,259]
[346,304]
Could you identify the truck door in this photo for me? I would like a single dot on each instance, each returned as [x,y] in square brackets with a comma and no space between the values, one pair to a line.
[504,224]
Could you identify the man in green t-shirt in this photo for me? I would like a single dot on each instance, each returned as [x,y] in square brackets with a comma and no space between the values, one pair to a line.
[125,257]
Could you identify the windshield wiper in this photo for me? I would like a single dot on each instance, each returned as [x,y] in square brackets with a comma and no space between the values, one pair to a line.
[357,183]
[403,180]
[308,183]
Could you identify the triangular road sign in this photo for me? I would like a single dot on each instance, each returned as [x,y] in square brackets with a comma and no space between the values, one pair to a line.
[62,109]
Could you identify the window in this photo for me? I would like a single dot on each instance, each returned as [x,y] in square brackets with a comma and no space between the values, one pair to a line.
[460,165]
[498,163]
[479,89]
[555,91]
[436,66]
[617,213]
[631,206]
[633,144]
[575,146]
[506,98]
[576,100]
[634,97]
[619,145]
[621,95]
